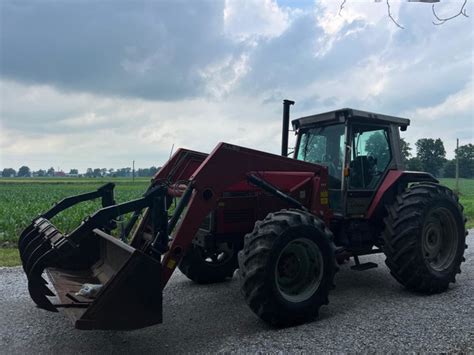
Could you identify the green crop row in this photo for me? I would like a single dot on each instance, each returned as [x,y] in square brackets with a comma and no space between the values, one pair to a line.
[22,201]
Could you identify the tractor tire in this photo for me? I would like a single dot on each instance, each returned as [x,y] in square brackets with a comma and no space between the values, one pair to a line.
[205,266]
[287,267]
[425,238]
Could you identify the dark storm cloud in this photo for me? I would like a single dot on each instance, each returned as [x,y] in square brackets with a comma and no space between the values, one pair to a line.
[148,49]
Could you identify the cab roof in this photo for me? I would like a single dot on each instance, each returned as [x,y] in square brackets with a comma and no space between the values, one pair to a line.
[350,114]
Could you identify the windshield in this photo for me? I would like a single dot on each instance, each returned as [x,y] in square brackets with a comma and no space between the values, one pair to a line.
[324,146]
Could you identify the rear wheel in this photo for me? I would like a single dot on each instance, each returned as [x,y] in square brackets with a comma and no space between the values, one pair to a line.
[287,267]
[210,265]
[425,238]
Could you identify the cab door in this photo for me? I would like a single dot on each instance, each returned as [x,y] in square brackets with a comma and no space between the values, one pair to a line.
[369,157]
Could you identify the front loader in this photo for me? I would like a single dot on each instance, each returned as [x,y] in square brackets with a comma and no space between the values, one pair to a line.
[284,223]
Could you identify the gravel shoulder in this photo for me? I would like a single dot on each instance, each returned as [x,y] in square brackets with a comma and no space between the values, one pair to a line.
[368,311]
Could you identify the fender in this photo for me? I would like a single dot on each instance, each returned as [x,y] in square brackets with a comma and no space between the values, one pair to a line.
[393,179]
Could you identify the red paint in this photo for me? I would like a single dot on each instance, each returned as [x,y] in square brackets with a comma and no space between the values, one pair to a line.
[227,167]
[392,177]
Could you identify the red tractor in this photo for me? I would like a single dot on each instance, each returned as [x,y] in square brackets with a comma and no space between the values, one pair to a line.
[284,223]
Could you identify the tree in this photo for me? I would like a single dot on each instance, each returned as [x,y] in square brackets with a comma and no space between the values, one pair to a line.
[431,153]
[123,172]
[142,172]
[414,164]
[450,169]
[465,153]
[97,172]
[24,171]
[147,172]
[73,172]
[405,150]
[89,172]
[8,172]
[50,172]
[41,173]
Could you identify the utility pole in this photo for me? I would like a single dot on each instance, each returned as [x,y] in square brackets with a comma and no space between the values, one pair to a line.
[457,166]
[133,171]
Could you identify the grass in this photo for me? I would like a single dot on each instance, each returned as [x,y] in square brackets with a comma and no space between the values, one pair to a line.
[9,257]
[21,200]
[466,196]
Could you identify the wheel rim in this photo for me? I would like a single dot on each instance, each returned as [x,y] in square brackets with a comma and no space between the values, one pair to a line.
[299,270]
[217,256]
[440,239]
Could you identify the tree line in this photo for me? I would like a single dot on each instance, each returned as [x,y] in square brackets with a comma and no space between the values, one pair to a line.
[430,156]
[25,171]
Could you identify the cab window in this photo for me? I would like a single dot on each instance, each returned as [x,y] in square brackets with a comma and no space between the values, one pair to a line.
[370,156]
[325,146]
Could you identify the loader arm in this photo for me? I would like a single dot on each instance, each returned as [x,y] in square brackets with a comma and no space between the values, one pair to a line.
[179,168]
[225,166]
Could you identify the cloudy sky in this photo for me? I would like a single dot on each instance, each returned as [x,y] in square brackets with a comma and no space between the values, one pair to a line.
[101,83]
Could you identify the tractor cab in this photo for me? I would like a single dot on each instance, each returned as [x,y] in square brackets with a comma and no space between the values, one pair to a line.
[357,147]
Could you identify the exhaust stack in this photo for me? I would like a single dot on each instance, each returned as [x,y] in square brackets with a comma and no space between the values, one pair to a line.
[285,128]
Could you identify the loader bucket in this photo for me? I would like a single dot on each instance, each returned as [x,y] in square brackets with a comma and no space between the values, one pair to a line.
[126,281]
[130,295]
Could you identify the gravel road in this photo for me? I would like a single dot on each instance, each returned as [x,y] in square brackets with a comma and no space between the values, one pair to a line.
[369,311]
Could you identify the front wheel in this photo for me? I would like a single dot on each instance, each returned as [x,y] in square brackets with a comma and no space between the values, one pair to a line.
[287,267]
[425,238]
[210,265]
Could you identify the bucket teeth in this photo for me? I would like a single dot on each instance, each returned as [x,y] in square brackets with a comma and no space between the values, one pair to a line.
[45,289]
[24,236]
[30,248]
[39,297]
[37,242]
[42,249]
[30,232]
[36,284]
[28,229]
[30,235]
[26,241]
[37,251]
